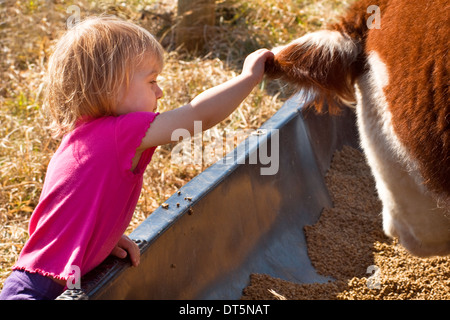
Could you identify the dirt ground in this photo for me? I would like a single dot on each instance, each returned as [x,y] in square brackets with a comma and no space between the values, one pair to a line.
[348,244]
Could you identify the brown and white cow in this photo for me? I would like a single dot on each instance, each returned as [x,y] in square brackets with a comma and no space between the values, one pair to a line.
[398,74]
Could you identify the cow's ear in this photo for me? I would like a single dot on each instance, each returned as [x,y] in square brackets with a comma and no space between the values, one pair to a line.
[321,64]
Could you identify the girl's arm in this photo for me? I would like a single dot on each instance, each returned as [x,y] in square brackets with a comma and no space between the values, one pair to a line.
[211,106]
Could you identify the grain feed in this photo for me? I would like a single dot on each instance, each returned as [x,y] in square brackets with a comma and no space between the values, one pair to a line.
[348,244]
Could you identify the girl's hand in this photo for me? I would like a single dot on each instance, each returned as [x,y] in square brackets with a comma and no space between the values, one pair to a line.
[254,64]
[125,247]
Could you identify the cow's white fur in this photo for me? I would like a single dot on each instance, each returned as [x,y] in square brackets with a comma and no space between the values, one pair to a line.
[410,212]
[329,41]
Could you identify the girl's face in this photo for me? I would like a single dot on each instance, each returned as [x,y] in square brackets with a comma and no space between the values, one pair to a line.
[143,92]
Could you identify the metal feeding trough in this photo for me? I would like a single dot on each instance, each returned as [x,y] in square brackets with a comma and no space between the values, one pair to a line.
[243,215]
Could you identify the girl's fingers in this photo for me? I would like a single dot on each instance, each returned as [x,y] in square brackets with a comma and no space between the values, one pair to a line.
[125,247]
[119,252]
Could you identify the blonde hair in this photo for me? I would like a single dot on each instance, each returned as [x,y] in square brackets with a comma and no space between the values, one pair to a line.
[90,64]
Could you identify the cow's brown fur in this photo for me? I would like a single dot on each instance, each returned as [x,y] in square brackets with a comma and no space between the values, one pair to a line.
[413,43]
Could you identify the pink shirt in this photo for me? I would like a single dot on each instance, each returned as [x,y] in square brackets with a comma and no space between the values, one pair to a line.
[89,196]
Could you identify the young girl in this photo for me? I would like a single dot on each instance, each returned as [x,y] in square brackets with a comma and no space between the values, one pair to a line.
[102,94]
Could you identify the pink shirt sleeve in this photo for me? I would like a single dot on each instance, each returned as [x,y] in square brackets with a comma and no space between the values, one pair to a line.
[128,139]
